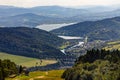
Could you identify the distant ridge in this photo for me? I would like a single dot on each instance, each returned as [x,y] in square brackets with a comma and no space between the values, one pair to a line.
[106,29]
[28,20]
[10,15]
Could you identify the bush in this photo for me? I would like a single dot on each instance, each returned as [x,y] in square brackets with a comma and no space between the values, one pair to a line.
[7,68]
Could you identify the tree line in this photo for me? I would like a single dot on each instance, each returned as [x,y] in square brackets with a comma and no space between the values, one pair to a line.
[95,54]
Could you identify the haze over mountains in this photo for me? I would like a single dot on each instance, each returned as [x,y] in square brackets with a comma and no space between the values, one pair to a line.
[31,17]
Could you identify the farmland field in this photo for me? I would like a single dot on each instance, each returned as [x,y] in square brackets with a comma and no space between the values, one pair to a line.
[25,61]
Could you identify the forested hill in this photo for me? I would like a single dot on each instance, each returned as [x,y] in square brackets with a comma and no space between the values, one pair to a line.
[29,42]
[95,65]
[103,29]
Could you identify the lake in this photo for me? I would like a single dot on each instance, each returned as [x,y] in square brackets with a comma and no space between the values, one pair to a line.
[70,37]
[49,27]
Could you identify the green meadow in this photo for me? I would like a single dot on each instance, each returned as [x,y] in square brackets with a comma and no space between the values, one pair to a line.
[41,75]
[25,61]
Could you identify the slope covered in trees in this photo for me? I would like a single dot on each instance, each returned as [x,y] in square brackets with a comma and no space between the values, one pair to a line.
[95,65]
[30,42]
[106,29]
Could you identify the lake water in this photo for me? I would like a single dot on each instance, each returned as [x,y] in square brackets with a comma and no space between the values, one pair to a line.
[49,27]
[70,37]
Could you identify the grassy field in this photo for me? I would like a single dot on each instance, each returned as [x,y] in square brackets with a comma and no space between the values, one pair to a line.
[113,45]
[41,75]
[25,61]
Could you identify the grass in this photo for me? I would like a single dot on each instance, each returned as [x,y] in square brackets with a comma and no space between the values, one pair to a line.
[25,61]
[112,45]
[41,75]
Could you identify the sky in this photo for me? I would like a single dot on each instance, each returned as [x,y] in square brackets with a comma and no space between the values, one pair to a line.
[33,3]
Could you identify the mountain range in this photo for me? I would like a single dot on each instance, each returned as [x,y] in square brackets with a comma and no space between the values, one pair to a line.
[32,17]
[106,29]
[54,11]
[28,20]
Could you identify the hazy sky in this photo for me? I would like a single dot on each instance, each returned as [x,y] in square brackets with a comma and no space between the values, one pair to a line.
[31,3]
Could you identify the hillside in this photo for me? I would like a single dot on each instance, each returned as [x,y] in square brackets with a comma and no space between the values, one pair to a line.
[30,42]
[106,29]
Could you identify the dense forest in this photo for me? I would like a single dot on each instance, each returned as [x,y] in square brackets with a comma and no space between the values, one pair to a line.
[95,65]
[30,42]
[7,68]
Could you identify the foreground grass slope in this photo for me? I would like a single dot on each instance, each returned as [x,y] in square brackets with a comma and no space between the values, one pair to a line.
[41,75]
[25,61]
